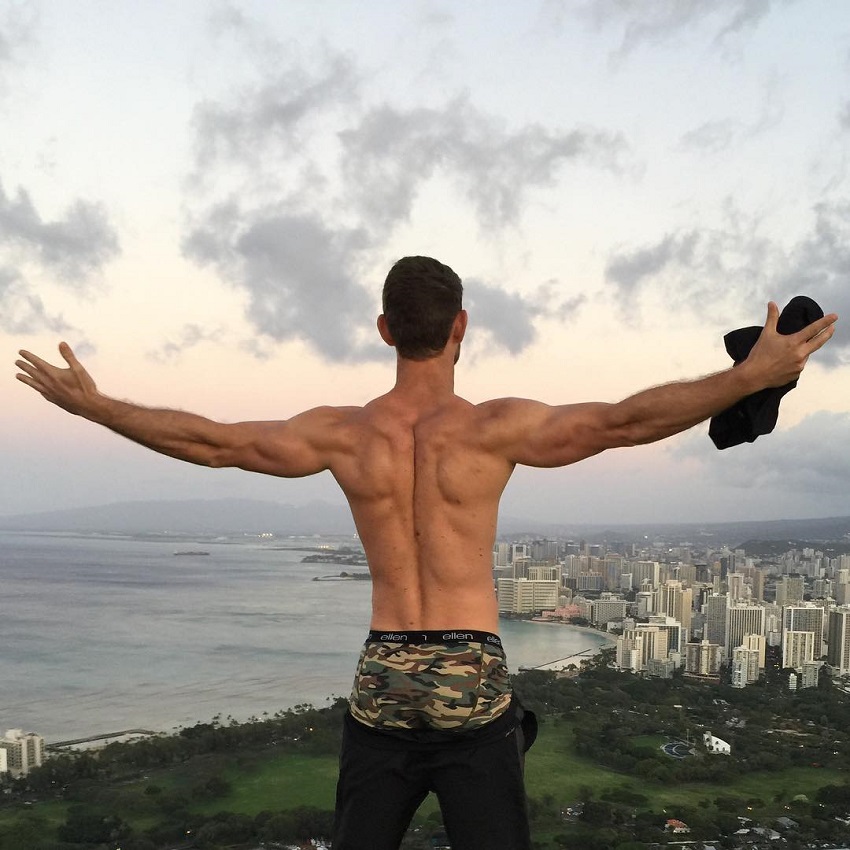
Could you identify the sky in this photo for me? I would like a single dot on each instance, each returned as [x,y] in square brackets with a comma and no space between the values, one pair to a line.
[203,199]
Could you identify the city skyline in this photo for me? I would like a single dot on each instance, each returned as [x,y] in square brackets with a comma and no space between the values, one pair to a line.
[203,199]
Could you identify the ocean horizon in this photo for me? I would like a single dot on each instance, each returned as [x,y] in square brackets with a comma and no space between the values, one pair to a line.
[102,633]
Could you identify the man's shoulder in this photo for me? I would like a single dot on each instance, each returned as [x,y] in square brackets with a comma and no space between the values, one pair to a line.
[332,414]
[501,408]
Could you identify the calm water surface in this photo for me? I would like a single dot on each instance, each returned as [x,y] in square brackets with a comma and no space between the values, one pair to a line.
[100,634]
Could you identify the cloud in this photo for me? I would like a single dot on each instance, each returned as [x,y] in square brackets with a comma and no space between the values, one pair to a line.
[631,270]
[712,136]
[510,320]
[299,187]
[17,28]
[190,336]
[728,268]
[21,310]
[392,152]
[72,247]
[809,458]
[69,249]
[650,22]
[819,266]
[735,269]
[275,118]
[718,135]
[298,273]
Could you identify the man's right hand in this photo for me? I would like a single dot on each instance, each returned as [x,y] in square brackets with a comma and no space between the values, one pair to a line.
[72,389]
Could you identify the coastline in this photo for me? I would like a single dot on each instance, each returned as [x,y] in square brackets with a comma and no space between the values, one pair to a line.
[518,632]
[601,640]
[314,675]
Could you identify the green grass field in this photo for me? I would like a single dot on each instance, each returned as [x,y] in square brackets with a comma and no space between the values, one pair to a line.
[554,768]
[284,781]
[274,780]
[281,780]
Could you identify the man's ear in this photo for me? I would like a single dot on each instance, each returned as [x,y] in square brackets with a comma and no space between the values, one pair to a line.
[384,331]
[459,326]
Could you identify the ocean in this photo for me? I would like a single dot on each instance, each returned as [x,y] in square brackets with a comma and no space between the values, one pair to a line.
[99,634]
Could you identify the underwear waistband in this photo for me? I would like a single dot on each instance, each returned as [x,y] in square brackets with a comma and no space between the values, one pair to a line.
[437,636]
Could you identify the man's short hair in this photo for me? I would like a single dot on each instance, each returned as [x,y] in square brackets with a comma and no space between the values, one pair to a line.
[421,299]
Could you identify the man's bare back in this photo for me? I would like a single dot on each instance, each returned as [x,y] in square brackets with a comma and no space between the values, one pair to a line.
[424,492]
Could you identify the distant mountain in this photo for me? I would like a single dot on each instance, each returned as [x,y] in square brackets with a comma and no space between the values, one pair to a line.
[250,516]
[197,516]
[734,534]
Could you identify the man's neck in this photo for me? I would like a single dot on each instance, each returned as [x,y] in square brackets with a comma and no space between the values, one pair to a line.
[425,380]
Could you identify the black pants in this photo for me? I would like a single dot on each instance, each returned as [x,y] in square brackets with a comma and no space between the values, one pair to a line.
[478,783]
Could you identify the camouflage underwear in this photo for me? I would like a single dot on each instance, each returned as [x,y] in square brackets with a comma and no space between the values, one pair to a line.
[430,680]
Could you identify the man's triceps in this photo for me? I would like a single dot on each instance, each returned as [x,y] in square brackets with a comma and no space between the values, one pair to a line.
[559,436]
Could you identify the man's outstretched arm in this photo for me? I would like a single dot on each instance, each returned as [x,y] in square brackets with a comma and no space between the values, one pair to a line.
[537,434]
[292,448]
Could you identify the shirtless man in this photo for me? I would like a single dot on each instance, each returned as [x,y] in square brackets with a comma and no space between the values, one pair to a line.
[423,471]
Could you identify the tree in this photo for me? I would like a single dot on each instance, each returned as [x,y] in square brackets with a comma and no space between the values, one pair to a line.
[84,826]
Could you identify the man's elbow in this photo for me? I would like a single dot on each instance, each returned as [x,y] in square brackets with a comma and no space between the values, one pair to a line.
[215,458]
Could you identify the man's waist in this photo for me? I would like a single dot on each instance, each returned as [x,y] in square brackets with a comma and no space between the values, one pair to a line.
[434,636]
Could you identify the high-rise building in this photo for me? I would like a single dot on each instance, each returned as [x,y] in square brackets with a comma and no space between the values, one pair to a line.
[754,578]
[703,658]
[545,550]
[675,601]
[687,574]
[590,582]
[773,624]
[630,650]
[645,602]
[805,617]
[745,666]
[611,567]
[607,610]
[544,574]
[757,644]
[790,590]
[636,646]
[677,635]
[524,596]
[520,566]
[838,643]
[714,631]
[645,571]
[797,648]
[572,566]
[810,673]
[501,554]
[735,584]
[23,751]
[742,619]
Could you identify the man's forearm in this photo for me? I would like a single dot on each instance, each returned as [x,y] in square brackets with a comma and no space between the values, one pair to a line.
[181,435]
[662,411]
